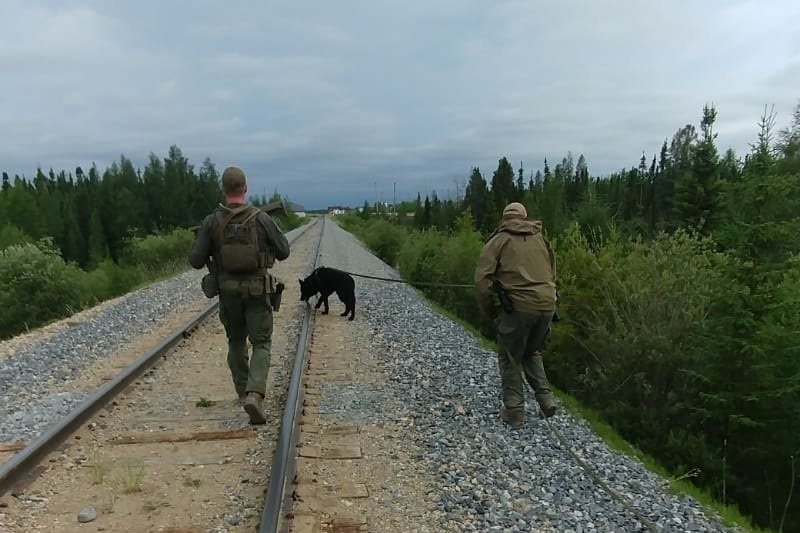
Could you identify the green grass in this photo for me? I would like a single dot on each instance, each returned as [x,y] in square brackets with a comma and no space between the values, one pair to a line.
[132,477]
[204,402]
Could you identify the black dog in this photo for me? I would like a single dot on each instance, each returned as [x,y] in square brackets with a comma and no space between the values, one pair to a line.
[326,281]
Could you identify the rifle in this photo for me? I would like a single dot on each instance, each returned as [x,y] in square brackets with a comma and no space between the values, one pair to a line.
[272,208]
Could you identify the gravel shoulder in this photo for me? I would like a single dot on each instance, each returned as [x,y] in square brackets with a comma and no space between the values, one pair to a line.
[48,372]
[489,477]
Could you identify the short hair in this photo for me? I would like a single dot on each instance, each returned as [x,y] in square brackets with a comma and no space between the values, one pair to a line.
[233,180]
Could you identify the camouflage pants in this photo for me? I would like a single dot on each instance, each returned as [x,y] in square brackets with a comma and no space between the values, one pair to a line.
[245,317]
[520,339]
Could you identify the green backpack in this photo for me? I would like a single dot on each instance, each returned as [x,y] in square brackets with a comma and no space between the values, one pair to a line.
[237,241]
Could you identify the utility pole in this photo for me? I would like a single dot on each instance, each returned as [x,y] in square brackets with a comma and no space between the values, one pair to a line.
[376,197]
[394,200]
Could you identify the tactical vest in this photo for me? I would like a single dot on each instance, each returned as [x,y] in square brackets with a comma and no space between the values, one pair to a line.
[241,265]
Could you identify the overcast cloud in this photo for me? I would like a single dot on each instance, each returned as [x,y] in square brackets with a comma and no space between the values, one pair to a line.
[323,99]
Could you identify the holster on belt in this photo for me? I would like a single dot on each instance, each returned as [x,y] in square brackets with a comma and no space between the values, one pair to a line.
[275,291]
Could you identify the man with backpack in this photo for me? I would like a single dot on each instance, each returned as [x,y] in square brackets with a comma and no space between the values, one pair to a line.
[518,265]
[243,241]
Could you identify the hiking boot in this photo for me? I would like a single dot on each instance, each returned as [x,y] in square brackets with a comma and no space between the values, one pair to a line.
[252,405]
[241,399]
[515,422]
[547,406]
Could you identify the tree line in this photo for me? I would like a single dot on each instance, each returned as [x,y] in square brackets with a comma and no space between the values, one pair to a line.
[90,215]
[71,239]
[679,283]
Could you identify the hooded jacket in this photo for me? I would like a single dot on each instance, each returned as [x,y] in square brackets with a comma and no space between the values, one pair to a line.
[519,257]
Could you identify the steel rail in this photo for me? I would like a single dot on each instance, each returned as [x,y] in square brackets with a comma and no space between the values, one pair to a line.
[27,458]
[23,462]
[284,461]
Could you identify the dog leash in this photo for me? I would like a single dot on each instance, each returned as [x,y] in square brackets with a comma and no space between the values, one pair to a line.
[603,485]
[421,283]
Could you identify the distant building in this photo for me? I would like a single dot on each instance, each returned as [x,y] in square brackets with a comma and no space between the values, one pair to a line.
[336,210]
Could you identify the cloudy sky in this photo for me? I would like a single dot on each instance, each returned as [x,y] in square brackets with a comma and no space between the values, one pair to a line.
[328,101]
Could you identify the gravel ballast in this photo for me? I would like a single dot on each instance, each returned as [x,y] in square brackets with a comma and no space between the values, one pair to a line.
[487,477]
[34,380]
[493,478]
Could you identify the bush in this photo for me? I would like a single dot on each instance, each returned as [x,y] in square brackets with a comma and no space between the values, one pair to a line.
[433,256]
[36,286]
[385,240]
[418,260]
[289,221]
[647,339]
[11,235]
[155,251]
[638,315]
[353,222]
[449,259]
[110,279]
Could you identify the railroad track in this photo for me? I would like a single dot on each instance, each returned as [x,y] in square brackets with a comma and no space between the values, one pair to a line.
[383,424]
[154,447]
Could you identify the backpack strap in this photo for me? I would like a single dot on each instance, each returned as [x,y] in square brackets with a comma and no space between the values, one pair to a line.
[227,219]
[253,214]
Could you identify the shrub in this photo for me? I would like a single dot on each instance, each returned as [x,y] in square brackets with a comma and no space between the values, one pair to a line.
[36,285]
[155,251]
[385,240]
[11,235]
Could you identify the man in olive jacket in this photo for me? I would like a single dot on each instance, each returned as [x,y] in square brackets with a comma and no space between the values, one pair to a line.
[518,261]
[244,242]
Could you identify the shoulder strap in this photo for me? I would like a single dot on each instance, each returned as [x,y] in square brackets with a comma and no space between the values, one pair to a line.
[227,219]
[253,214]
